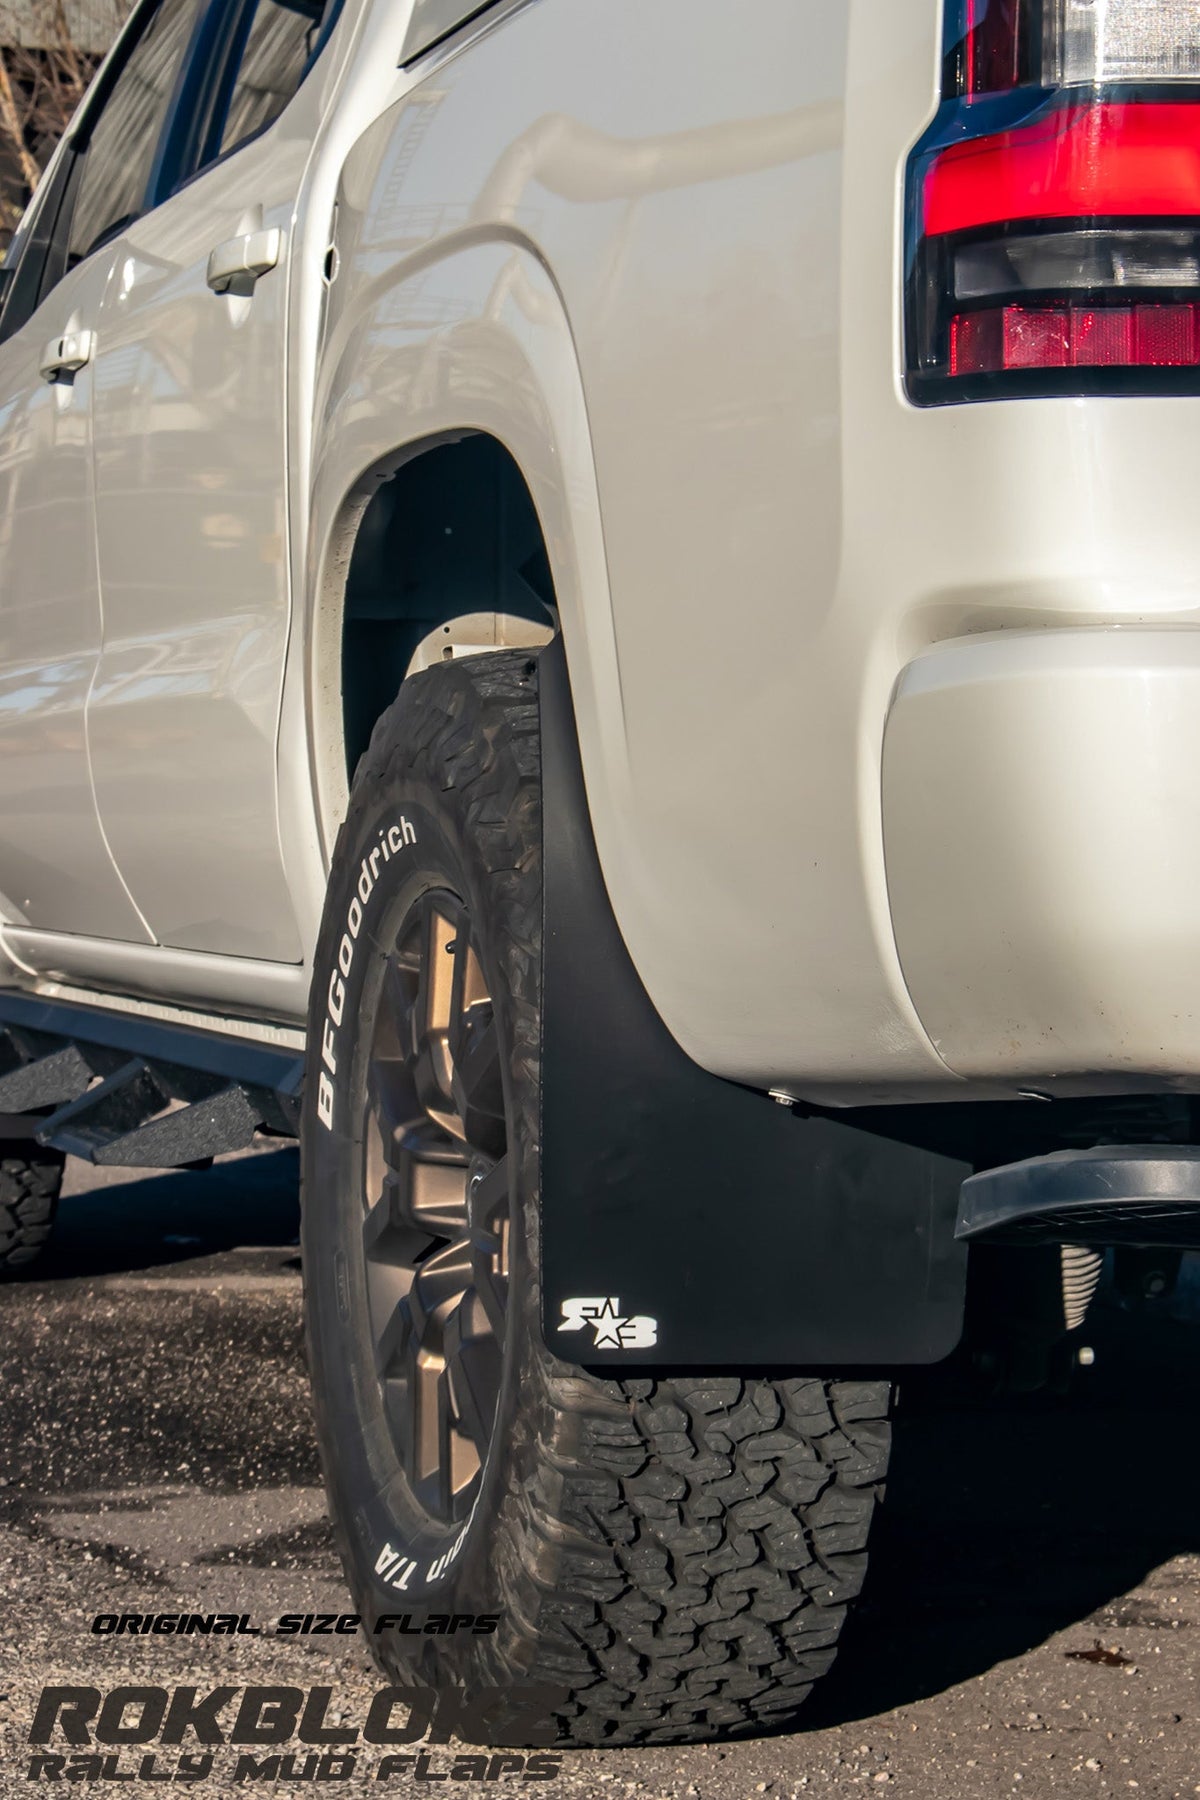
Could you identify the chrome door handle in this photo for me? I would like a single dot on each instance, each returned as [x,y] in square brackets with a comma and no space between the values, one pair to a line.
[234,267]
[68,354]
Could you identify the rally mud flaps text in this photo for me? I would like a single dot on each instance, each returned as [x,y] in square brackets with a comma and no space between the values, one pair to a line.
[276,1734]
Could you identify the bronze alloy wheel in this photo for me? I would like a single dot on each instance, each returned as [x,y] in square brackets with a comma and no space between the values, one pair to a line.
[436,1205]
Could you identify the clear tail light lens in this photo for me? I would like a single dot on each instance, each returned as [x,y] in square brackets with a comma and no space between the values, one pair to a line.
[993,46]
[1054,204]
[1103,41]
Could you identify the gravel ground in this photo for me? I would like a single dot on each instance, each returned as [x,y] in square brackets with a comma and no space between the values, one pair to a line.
[1032,1624]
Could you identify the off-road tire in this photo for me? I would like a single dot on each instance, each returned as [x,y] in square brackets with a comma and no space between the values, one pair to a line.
[674,1555]
[30,1179]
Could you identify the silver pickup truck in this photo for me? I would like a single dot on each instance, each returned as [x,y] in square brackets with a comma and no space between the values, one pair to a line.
[599,613]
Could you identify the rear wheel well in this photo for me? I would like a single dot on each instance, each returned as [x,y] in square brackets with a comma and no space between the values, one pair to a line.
[452,533]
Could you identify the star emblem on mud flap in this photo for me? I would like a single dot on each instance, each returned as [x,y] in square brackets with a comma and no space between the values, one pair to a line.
[614,1330]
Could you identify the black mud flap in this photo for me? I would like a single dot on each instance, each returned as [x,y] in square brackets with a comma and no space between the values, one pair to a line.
[687,1220]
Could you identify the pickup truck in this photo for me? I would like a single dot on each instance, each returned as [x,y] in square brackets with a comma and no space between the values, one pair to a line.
[599,618]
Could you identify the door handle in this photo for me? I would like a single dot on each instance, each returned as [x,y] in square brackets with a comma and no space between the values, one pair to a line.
[235,266]
[68,354]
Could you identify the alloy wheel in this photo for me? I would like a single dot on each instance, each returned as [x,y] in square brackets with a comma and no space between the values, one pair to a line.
[436,1204]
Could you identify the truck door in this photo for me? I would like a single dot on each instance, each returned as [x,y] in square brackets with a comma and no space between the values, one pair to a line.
[56,872]
[189,436]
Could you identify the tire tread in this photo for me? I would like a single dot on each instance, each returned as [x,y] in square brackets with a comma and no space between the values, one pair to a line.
[29,1187]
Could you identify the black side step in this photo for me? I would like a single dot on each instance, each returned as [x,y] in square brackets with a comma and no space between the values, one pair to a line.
[50,1077]
[1146,1194]
[118,1088]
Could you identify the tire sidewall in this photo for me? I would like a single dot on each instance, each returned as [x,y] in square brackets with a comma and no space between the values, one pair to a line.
[399,1560]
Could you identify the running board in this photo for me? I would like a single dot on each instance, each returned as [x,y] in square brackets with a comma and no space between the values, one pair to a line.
[1144,1194]
[120,1088]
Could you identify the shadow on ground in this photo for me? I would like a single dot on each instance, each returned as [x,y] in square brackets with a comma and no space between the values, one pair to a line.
[129,1224]
[1008,1521]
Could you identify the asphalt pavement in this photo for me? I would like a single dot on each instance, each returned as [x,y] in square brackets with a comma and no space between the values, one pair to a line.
[1032,1619]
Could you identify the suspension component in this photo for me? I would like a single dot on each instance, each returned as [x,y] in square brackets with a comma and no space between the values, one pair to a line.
[1081,1271]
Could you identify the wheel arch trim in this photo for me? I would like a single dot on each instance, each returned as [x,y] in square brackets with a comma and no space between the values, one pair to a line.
[506,369]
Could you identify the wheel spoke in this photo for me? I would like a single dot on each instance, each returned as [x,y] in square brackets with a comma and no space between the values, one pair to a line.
[378,1218]
[401,1419]
[470,992]
[432,1065]
[445,1439]
[474,1369]
[394,1035]
[427,1427]
[394,1333]
[488,1202]
[477,1085]
[438,1283]
[489,1213]
[429,1181]
[391,1099]
[492,1293]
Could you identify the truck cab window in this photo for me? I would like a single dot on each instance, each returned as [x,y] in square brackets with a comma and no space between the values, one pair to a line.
[119,154]
[279,45]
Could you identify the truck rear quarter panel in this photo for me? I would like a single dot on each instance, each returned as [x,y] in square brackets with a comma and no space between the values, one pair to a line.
[613,236]
[658,252]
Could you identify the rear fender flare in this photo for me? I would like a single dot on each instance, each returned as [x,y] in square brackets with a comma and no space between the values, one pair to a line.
[504,366]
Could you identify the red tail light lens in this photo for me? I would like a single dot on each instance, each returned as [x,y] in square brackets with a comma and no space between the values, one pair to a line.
[992,52]
[1093,161]
[1054,205]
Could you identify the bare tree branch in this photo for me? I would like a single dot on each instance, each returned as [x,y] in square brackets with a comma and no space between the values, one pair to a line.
[10,118]
[45,67]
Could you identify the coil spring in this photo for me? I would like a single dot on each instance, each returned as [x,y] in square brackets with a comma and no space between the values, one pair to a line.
[1081,1269]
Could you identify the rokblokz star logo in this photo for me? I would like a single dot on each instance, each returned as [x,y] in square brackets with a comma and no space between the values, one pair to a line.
[614,1330]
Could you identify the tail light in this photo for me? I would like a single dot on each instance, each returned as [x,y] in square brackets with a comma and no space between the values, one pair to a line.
[1054,204]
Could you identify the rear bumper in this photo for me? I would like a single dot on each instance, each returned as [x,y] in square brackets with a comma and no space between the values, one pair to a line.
[1141,1194]
[1041,810]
